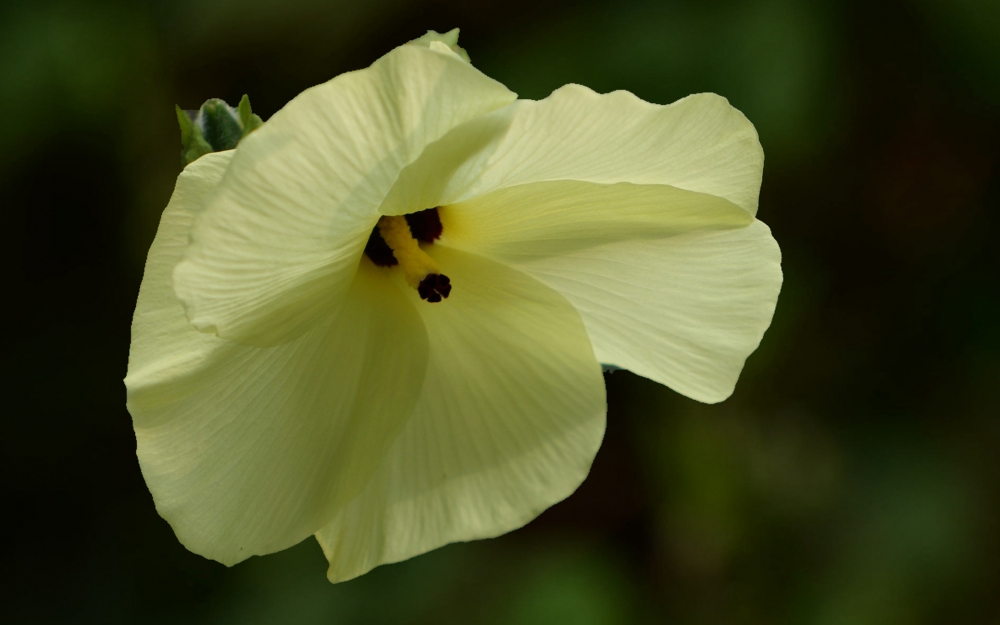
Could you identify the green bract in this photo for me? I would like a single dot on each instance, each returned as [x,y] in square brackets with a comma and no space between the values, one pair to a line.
[283,385]
[214,127]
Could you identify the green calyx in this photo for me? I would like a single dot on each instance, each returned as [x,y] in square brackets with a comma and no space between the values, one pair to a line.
[214,127]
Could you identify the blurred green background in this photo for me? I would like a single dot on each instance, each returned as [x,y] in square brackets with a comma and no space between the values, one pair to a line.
[852,479]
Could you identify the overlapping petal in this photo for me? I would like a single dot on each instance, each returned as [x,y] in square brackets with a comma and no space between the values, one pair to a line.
[685,311]
[673,285]
[699,143]
[641,215]
[278,245]
[562,216]
[509,420]
[249,450]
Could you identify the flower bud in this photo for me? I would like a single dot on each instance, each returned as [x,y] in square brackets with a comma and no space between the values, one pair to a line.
[215,127]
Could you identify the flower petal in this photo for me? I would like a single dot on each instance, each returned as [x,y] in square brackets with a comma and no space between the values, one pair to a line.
[551,218]
[699,143]
[249,450]
[641,215]
[508,423]
[277,247]
[685,311]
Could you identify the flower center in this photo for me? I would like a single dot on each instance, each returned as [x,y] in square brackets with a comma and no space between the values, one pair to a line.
[394,241]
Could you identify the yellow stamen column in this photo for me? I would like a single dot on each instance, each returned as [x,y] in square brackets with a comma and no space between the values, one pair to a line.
[420,270]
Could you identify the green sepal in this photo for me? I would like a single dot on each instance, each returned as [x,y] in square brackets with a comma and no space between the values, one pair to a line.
[215,127]
[248,120]
[193,143]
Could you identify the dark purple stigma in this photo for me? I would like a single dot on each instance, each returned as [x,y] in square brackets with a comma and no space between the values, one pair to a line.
[434,287]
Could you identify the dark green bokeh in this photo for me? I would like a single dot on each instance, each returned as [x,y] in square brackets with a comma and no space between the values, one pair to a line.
[851,479]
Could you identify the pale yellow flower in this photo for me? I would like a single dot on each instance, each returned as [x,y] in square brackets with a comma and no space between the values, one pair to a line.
[282,384]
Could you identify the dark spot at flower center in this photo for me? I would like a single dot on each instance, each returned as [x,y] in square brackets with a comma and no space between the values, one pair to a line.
[425,226]
[379,251]
[434,287]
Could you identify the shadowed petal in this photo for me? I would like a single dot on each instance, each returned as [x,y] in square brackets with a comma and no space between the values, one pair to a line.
[685,311]
[249,450]
[509,420]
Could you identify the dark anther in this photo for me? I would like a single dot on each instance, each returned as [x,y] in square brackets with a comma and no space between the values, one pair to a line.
[425,225]
[434,287]
[379,251]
